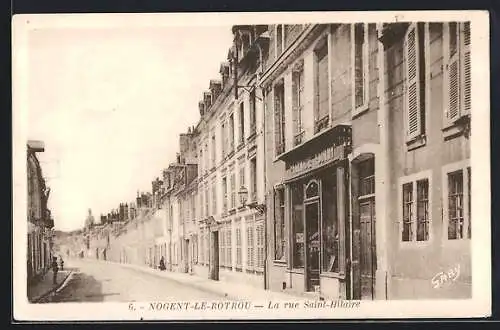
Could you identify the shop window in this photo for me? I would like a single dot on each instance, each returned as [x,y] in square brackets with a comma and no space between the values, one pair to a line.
[459,204]
[458,72]
[297,196]
[279,224]
[330,226]
[312,190]
[414,59]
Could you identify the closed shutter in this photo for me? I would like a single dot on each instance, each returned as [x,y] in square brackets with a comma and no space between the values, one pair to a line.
[295,102]
[413,105]
[465,43]
[322,83]
[453,76]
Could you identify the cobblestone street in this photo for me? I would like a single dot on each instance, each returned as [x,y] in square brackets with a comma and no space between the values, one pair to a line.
[101,282]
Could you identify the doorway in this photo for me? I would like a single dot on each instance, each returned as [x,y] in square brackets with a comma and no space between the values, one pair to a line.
[364,254]
[312,217]
[214,253]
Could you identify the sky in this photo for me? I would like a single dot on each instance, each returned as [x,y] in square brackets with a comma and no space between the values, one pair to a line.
[110,103]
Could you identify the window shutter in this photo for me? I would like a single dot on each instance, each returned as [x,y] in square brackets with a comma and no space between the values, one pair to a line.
[465,58]
[453,83]
[413,105]
[295,102]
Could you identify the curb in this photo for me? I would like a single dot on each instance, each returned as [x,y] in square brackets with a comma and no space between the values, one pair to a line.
[55,289]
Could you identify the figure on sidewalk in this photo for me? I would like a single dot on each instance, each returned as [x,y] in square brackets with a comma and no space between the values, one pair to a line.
[55,269]
[61,262]
[162,264]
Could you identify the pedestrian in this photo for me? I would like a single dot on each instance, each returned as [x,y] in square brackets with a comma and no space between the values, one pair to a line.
[162,264]
[61,262]
[55,269]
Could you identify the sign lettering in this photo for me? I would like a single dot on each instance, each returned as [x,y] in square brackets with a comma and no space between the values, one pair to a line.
[317,160]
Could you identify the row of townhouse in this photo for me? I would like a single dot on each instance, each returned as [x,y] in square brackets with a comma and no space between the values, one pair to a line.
[39,221]
[330,160]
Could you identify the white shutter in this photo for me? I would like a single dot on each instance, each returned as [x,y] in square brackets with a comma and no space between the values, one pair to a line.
[453,80]
[412,95]
[465,68]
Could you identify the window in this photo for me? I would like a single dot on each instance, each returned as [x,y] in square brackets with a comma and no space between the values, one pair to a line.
[250,244]
[242,123]
[279,118]
[202,246]
[259,231]
[238,246]
[214,197]
[224,195]
[233,189]
[458,72]
[207,212]
[224,142]
[415,210]
[213,149]
[252,112]
[459,204]
[279,39]
[415,82]
[229,259]
[298,103]
[206,157]
[330,226]
[321,87]
[298,255]
[242,173]
[231,133]
[253,179]
[279,224]
[361,59]
[222,247]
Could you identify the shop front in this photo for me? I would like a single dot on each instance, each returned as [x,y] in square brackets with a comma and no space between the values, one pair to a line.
[316,216]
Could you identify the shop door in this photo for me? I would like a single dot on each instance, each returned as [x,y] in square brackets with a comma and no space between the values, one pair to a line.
[364,286]
[214,263]
[312,245]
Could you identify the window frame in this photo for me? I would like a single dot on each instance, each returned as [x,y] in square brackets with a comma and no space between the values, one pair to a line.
[462,49]
[463,165]
[414,179]
[298,89]
[422,69]
[279,119]
[358,110]
[322,45]
[282,241]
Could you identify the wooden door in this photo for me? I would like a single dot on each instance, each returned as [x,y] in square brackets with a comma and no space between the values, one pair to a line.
[214,262]
[367,249]
[312,216]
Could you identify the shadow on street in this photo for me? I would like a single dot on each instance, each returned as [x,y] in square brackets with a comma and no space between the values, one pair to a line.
[80,288]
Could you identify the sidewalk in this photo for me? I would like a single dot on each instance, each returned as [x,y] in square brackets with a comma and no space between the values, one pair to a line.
[44,286]
[229,290]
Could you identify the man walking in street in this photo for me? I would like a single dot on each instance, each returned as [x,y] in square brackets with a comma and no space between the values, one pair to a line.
[55,269]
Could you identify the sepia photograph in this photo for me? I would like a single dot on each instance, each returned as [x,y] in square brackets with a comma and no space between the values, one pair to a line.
[251,166]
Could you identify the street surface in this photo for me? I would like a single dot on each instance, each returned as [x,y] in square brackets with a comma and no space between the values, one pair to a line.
[100,282]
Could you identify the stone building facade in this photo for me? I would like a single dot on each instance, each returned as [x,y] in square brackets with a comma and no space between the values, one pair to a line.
[368,159]
[40,221]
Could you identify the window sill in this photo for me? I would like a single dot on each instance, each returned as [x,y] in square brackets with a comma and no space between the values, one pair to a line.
[295,271]
[240,146]
[416,143]
[333,275]
[252,136]
[280,263]
[359,111]
[461,126]
[232,211]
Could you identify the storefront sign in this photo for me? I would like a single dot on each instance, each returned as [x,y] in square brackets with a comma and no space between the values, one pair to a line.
[317,160]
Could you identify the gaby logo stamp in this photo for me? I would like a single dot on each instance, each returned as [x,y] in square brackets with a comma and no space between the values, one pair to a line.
[446,277]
